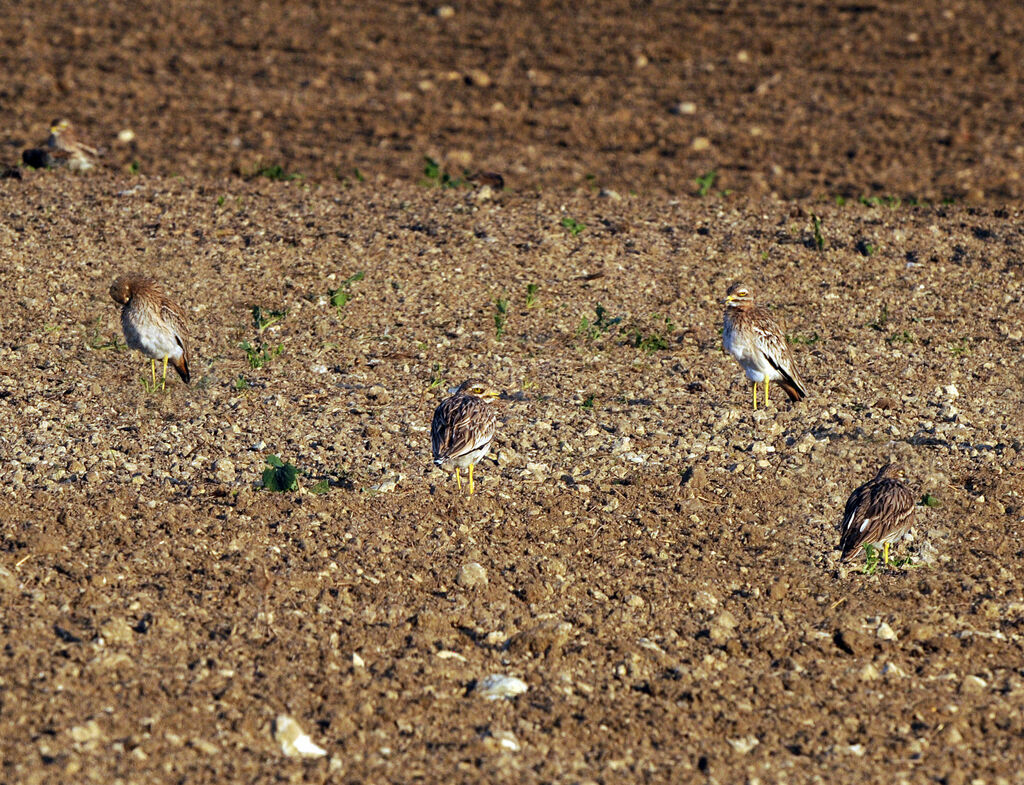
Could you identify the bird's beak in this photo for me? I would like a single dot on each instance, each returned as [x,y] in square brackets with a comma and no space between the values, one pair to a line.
[729,298]
[491,394]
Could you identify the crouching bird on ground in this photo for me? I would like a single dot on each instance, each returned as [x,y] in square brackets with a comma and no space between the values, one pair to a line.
[878,513]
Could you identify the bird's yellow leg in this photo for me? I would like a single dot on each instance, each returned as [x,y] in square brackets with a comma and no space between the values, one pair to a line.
[152,370]
[163,384]
[766,380]
[470,479]
[755,396]
[885,554]
[458,478]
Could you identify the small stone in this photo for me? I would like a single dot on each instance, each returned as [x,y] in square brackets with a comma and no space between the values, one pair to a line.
[89,731]
[869,672]
[885,632]
[295,743]
[479,78]
[125,135]
[471,574]
[973,684]
[700,144]
[378,393]
[224,470]
[117,631]
[444,12]
[497,686]
[684,108]
[744,745]
[386,486]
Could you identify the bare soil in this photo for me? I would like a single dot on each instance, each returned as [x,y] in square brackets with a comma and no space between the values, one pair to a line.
[656,561]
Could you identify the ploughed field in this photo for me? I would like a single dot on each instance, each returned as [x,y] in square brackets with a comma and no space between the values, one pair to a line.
[655,561]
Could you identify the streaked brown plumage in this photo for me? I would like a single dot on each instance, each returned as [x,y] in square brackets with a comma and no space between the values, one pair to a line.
[463,427]
[759,345]
[153,323]
[878,513]
[67,149]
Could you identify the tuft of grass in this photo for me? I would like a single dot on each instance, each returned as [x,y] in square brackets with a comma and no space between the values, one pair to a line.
[240,383]
[575,227]
[706,182]
[588,402]
[601,324]
[500,317]
[929,501]
[901,337]
[531,295]
[819,238]
[341,296]
[280,476]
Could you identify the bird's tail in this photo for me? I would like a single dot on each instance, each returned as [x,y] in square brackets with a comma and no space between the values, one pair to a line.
[794,389]
[181,366]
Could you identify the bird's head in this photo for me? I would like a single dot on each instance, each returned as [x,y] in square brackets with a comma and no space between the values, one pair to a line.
[739,294]
[891,471]
[477,390]
[59,126]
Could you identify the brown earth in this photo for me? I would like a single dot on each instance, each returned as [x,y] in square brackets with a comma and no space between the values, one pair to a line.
[656,561]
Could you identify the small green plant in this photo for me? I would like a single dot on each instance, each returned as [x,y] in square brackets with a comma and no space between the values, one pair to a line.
[434,175]
[655,341]
[575,227]
[358,175]
[601,324]
[437,377]
[261,319]
[706,182]
[275,172]
[819,238]
[240,383]
[588,402]
[321,487]
[500,317]
[220,201]
[531,295]
[882,320]
[901,337]
[99,344]
[280,476]
[864,248]
[873,561]
[259,356]
[961,348]
[134,167]
[930,501]
[341,295]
